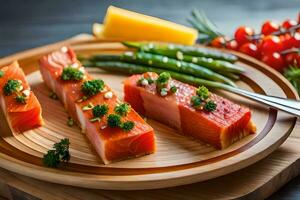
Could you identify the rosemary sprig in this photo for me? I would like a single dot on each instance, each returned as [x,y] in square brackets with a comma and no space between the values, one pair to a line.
[206,28]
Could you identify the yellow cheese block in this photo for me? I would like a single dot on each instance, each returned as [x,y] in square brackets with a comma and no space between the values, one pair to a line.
[128,25]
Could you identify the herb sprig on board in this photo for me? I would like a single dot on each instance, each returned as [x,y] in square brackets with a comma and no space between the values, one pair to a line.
[293,75]
[59,154]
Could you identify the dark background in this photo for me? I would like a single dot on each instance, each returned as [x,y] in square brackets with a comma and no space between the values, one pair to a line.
[30,23]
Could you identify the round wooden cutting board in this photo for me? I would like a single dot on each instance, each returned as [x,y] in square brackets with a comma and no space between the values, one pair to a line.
[178,160]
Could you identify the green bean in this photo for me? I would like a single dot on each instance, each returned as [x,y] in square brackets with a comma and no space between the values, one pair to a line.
[169,64]
[172,49]
[128,68]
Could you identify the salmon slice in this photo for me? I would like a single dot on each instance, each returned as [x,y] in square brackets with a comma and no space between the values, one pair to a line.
[112,144]
[24,116]
[220,128]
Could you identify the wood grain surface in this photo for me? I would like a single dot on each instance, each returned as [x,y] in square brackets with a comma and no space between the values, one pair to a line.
[50,21]
[257,181]
[190,161]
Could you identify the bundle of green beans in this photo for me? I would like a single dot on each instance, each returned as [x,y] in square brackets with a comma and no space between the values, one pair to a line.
[172,49]
[129,68]
[186,63]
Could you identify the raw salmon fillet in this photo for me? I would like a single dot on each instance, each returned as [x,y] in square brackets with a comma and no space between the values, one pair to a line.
[20,117]
[220,128]
[112,144]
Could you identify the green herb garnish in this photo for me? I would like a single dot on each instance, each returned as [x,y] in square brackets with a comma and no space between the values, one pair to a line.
[51,159]
[91,88]
[52,95]
[163,78]
[145,81]
[210,106]
[127,126]
[173,89]
[1,73]
[71,74]
[162,83]
[114,120]
[202,92]
[150,80]
[201,100]
[122,109]
[196,102]
[70,121]
[11,87]
[60,153]
[293,75]
[100,110]
[21,99]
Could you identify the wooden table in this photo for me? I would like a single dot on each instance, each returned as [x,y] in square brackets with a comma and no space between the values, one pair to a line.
[26,24]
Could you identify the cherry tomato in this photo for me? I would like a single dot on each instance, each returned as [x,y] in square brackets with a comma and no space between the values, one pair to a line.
[218,42]
[292,41]
[271,43]
[242,34]
[295,40]
[232,45]
[274,60]
[291,58]
[288,23]
[250,49]
[269,27]
[286,41]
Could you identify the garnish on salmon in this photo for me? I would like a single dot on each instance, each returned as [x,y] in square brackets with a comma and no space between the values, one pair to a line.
[193,112]
[19,104]
[115,130]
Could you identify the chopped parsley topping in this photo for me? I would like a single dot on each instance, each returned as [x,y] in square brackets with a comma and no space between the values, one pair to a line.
[21,99]
[51,159]
[202,101]
[202,92]
[122,109]
[196,102]
[173,89]
[52,95]
[100,110]
[127,126]
[114,120]
[145,81]
[210,106]
[11,87]
[163,78]
[1,73]
[70,121]
[71,74]
[162,84]
[91,88]
[150,80]
[60,153]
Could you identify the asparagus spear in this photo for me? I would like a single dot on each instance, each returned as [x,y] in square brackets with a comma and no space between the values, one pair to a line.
[128,68]
[166,63]
[172,49]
